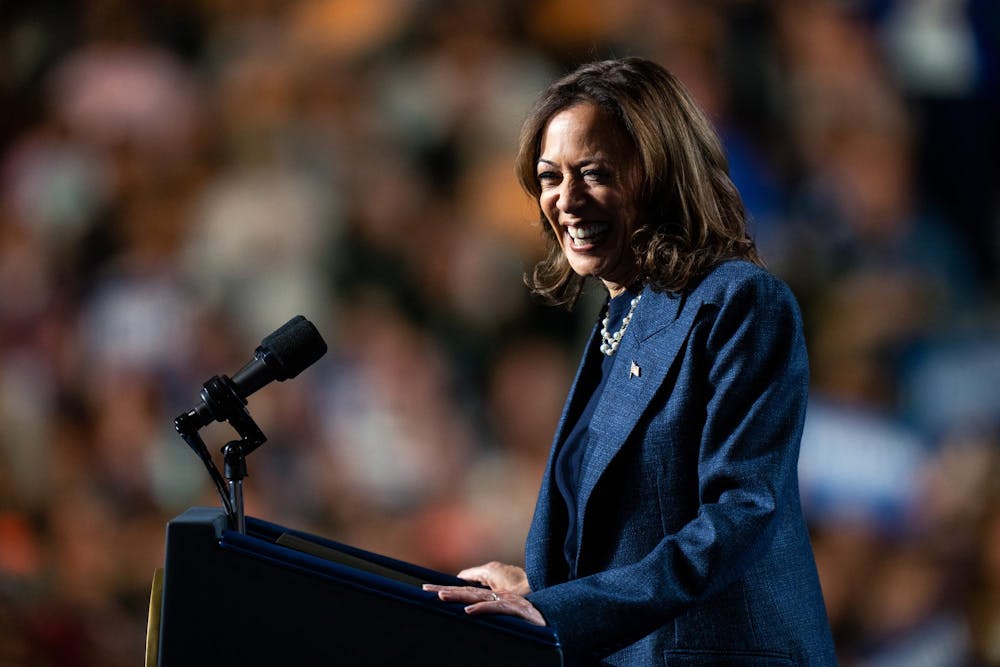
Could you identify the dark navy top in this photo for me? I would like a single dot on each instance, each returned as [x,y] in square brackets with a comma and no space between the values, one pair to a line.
[573,453]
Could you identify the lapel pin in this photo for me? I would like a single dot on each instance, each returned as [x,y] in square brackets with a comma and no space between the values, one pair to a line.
[634,371]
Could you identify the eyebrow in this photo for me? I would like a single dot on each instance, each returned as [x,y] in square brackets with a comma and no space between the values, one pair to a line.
[579,163]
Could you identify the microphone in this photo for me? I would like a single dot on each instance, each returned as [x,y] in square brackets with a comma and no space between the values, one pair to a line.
[281,355]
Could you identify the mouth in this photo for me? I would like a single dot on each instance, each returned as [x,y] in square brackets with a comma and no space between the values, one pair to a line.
[587,235]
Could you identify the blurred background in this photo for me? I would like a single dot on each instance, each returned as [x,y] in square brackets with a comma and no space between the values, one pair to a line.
[178,178]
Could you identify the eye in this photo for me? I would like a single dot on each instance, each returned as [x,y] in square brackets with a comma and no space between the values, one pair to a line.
[548,177]
[597,175]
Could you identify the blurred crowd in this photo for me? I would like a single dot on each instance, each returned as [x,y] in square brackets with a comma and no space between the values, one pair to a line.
[179,178]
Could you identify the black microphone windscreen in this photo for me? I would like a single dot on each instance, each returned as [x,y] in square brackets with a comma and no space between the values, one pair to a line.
[292,348]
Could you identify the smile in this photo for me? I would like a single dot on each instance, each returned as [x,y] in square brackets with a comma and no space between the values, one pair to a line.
[588,234]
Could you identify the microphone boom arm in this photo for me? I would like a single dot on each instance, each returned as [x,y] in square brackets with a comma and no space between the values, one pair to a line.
[221,399]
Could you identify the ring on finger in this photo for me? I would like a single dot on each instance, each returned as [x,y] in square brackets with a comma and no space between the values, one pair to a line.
[494,597]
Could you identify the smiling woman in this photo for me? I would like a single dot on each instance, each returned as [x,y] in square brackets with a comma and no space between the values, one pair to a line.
[667,165]
[668,528]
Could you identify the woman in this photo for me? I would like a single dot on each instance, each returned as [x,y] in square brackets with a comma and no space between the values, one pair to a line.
[668,529]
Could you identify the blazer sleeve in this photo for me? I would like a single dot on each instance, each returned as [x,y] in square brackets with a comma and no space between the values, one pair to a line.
[750,339]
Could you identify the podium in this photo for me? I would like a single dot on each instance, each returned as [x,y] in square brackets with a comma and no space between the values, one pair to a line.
[276,596]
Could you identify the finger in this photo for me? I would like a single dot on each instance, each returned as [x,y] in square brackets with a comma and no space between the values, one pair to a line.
[480,573]
[492,604]
[498,576]
[511,606]
[461,593]
[486,607]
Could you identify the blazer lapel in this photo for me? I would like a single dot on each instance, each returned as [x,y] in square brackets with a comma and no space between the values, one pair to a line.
[658,330]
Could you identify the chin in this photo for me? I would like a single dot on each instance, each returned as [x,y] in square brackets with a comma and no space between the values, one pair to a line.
[586,271]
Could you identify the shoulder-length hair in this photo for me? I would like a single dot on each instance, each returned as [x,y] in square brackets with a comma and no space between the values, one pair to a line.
[691,217]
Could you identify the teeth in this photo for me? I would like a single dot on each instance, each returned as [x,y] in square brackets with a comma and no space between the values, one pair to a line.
[584,232]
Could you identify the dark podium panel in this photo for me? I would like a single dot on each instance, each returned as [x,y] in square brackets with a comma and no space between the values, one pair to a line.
[281,597]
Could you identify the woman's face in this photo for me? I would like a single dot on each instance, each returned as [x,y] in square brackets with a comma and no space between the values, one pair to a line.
[587,174]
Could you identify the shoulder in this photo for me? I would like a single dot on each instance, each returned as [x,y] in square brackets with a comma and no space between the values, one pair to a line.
[729,297]
[739,282]
[740,301]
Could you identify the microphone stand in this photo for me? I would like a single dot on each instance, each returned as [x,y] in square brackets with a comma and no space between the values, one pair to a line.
[235,465]
[225,404]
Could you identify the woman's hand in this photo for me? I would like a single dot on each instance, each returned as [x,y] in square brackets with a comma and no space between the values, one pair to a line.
[484,601]
[507,584]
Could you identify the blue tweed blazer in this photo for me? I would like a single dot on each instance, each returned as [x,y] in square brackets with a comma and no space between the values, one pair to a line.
[691,544]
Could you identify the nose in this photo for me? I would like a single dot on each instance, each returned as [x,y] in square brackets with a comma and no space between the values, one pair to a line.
[571,195]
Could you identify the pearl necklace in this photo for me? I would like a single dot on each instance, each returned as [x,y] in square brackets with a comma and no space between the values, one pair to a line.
[609,344]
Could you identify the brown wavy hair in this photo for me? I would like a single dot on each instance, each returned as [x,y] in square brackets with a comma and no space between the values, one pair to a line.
[691,216]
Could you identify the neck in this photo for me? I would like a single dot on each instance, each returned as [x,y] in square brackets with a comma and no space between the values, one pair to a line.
[615,289]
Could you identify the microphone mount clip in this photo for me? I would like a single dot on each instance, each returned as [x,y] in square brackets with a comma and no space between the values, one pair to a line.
[225,404]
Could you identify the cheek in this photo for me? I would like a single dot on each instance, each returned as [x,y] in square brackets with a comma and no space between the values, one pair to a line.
[628,214]
[547,205]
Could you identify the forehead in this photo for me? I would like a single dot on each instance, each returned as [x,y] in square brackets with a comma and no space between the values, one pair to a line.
[584,128]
